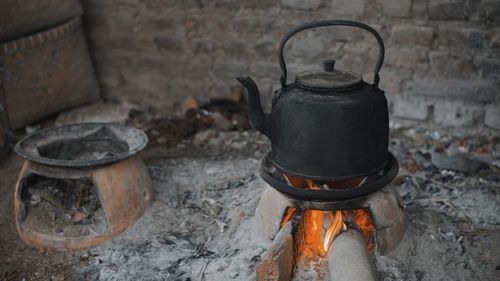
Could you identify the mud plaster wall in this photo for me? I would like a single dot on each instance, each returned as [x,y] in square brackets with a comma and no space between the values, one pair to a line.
[442,62]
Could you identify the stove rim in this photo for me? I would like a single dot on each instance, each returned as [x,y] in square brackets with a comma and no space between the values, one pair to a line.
[24,153]
[327,178]
[333,197]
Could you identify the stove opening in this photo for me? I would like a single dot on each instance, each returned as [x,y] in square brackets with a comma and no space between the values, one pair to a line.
[317,229]
[62,207]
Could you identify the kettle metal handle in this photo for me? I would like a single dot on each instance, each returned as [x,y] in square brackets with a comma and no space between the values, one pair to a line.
[314,24]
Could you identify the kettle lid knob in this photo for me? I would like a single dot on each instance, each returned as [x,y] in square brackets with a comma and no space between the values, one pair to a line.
[329,65]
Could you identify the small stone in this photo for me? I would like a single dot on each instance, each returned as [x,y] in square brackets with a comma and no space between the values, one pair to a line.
[492,116]
[52,215]
[78,217]
[217,142]
[203,137]
[237,93]
[35,199]
[155,133]
[68,217]
[240,122]
[452,161]
[190,104]
[239,145]
[161,140]
[220,121]
[84,257]
[58,277]
[447,173]
[32,129]
[211,207]
[102,112]
[257,154]
[234,274]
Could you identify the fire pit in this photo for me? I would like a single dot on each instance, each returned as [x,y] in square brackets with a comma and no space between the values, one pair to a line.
[316,223]
[80,185]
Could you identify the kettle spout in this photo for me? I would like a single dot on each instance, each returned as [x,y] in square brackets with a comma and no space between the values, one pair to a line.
[258,119]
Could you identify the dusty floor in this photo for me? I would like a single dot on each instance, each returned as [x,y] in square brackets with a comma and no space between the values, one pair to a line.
[200,226]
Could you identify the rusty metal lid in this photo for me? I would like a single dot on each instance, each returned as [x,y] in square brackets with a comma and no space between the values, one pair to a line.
[328,80]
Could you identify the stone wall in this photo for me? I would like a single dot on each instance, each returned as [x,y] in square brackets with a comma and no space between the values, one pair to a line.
[442,56]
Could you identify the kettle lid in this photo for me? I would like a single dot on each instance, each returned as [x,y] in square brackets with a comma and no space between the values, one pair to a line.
[328,80]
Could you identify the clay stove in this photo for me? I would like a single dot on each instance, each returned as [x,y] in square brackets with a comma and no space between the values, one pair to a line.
[317,236]
[81,185]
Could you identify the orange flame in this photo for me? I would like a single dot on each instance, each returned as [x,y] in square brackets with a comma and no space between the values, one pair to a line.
[288,216]
[335,228]
[310,235]
[317,230]
[313,238]
[364,221]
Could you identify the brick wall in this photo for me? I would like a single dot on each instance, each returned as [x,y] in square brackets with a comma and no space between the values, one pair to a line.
[442,60]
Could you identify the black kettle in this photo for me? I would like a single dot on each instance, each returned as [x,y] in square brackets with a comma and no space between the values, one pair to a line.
[327,125]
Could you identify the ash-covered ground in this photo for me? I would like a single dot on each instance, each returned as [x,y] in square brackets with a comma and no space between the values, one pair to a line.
[199,228]
[201,225]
